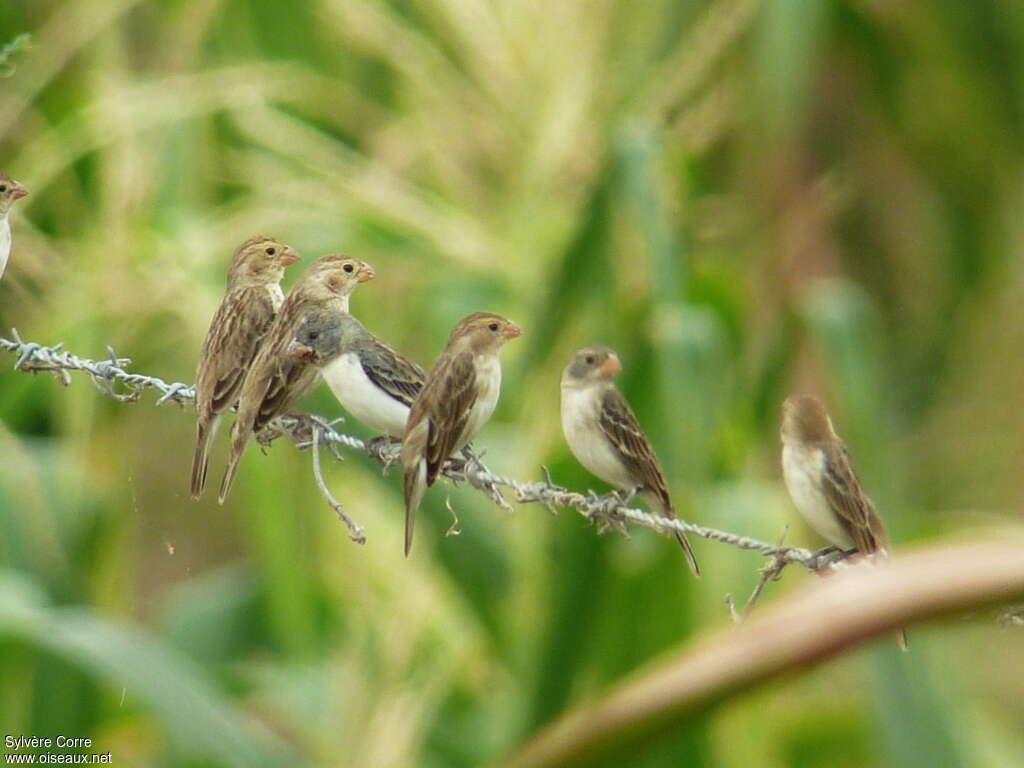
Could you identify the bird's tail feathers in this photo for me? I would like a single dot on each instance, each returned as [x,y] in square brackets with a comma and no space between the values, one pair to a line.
[663,507]
[200,461]
[238,443]
[691,559]
[415,483]
[879,556]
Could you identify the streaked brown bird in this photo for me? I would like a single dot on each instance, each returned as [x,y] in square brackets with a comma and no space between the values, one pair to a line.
[603,433]
[239,325]
[458,398]
[276,381]
[822,483]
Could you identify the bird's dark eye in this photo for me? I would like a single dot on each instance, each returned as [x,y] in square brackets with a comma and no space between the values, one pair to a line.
[493,326]
[348,268]
[3,187]
[271,251]
[590,359]
[313,335]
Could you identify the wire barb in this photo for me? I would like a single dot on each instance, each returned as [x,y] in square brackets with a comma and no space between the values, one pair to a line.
[770,571]
[34,358]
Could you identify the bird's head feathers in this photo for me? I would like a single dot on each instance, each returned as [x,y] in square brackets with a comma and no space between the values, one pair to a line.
[592,364]
[335,275]
[260,260]
[805,419]
[10,190]
[483,332]
[323,335]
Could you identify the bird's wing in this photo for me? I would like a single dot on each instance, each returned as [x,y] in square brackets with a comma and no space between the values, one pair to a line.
[288,381]
[848,500]
[448,399]
[619,425]
[239,326]
[395,375]
[282,381]
[437,418]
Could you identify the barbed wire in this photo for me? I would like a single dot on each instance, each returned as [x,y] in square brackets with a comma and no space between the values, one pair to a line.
[608,512]
[36,358]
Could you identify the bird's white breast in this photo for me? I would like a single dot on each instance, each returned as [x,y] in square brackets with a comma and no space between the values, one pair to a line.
[5,244]
[488,382]
[276,296]
[802,469]
[581,410]
[362,398]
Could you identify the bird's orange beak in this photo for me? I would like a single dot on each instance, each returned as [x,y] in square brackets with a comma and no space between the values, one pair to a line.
[512,331]
[365,273]
[298,351]
[610,366]
[289,257]
[17,191]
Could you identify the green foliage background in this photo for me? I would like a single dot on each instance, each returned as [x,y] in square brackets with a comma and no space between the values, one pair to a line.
[743,198]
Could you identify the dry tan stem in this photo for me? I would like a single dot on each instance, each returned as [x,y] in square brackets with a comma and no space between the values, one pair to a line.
[821,620]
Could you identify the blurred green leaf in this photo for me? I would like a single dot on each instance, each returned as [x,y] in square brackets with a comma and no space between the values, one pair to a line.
[918,725]
[199,721]
[846,329]
[789,37]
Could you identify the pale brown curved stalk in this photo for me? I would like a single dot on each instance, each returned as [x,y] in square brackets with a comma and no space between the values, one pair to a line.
[819,621]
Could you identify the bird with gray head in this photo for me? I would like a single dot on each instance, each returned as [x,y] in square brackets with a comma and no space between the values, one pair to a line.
[373,382]
[604,435]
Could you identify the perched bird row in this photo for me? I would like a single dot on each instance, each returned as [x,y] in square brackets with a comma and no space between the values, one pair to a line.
[265,351]
[10,190]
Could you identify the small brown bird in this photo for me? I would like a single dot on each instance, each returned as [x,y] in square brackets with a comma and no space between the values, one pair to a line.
[821,481]
[458,398]
[820,478]
[10,190]
[276,382]
[238,328]
[606,438]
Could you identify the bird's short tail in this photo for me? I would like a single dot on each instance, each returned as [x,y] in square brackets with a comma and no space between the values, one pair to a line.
[691,559]
[201,459]
[238,443]
[882,553]
[660,504]
[415,484]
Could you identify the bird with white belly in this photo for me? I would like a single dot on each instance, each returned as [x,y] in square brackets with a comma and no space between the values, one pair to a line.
[823,485]
[606,438]
[373,382]
[10,190]
[457,399]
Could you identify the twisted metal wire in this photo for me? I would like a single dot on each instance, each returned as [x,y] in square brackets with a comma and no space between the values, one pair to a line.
[105,374]
[611,511]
